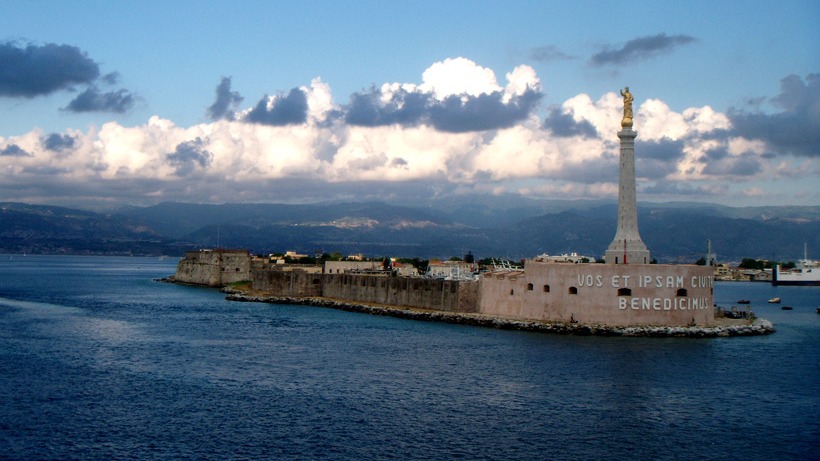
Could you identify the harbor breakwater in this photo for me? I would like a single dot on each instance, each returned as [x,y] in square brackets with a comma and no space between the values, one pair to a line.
[722,328]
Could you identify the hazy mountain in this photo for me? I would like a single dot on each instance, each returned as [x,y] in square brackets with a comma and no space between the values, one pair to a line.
[179,219]
[47,229]
[482,225]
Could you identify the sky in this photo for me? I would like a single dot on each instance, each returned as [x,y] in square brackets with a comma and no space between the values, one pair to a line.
[104,104]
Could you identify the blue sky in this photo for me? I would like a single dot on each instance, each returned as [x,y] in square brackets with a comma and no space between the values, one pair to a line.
[114,102]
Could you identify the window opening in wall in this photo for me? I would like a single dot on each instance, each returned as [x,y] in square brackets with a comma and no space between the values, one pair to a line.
[512,291]
[681,292]
[624,291]
[573,290]
[546,288]
[529,287]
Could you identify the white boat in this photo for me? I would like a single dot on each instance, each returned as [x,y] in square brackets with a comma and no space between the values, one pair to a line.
[806,272]
[774,301]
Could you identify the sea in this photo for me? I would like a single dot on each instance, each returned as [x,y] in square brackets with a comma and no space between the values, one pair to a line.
[98,361]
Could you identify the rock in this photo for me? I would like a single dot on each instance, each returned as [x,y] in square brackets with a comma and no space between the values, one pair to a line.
[757,327]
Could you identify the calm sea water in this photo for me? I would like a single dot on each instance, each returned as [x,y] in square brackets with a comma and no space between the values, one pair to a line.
[98,361]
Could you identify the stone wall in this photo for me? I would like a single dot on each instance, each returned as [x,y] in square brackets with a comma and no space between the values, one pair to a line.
[295,282]
[601,294]
[214,268]
[444,295]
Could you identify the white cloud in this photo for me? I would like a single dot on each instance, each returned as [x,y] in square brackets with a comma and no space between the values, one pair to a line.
[456,77]
[521,79]
[242,158]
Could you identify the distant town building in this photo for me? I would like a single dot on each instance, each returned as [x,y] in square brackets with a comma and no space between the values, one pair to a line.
[574,258]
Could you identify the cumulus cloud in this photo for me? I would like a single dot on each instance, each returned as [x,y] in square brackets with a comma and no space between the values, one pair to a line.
[482,112]
[562,124]
[226,103]
[189,157]
[380,108]
[280,110]
[429,138]
[58,142]
[36,70]
[456,96]
[640,49]
[795,130]
[13,150]
[93,100]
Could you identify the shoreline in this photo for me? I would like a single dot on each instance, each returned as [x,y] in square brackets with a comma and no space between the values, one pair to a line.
[728,328]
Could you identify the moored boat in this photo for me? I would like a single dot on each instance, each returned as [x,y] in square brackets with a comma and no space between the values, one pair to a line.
[806,272]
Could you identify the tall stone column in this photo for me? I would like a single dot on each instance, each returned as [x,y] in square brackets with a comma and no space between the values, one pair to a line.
[627,246]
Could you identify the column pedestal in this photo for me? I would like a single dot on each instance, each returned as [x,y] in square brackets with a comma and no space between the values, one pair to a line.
[627,246]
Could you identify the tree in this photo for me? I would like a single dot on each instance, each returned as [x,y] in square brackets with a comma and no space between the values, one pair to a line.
[749,263]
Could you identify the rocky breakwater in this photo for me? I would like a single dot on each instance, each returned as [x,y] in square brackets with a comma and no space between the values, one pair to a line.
[723,329]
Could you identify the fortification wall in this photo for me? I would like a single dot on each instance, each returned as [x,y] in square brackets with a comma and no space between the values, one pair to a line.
[444,295]
[299,283]
[601,294]
[214,268]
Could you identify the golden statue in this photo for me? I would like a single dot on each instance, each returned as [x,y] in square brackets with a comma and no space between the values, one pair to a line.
[627,120]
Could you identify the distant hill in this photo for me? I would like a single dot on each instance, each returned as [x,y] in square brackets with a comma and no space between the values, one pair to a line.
[57,230]
[674,232]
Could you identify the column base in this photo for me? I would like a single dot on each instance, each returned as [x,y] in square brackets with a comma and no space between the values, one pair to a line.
[634,252]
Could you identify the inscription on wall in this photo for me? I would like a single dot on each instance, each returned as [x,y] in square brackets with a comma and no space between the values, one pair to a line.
[646,281]
[676,303]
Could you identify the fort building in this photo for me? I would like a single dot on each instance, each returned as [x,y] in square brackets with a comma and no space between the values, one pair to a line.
[214,268]
[625,291]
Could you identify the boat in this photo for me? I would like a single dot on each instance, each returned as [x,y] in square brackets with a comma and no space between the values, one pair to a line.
[774,301]
[744,301]
[806,272]
[786,308]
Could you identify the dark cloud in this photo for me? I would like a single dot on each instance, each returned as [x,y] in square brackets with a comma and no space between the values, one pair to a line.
[58,142]
[665,149]
[226,103]
[641,48]
[658,159]
[39,70]
[796,129]
[482,112]
[287,110]
[744,165]
[680,188]
[404,108]
[111,78]
[13,150]
[455,114]
[592,171]
[92,100]
[549,53]
[563,125]
[188,155]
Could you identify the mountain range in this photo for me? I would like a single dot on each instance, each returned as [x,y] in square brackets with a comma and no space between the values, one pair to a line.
[485,226]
